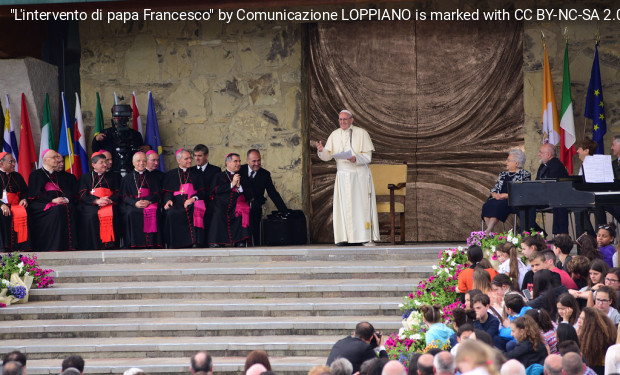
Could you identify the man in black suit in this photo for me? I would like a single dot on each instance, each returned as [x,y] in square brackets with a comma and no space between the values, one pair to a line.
[208,172]
[357,348]
[552,168]
[260,180]
[201,157]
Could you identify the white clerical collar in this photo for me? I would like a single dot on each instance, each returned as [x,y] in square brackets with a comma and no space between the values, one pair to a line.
[2,170]
[47,170]
[227,170]
[183,169]
[139,171]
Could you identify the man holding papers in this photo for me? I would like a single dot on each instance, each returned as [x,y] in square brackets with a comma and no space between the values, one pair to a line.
[355,211]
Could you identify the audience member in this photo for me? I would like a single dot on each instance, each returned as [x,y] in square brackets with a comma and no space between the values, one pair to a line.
[459,318]
[589,248]
[597,331]
[605,237]
[484,320]
[544,292]
[514,306]
[512,367]
[74,361]
[413,364]
[394,368]
[373,366]
[319,370]
[469,296]
[562,246]
[357,348]
[341,366]
[604,300]
[443,364]
[530,348]
[553,364]
[475,358]
[465,280]
[566,332]
[438,333]
[425,364]
[16,356]
[201,363]
[257,356]
[572,347]
[257,369]
[12,368]
[482,280]
[598,271]
[510,264]
[572,364]
[578,267]
[547,328]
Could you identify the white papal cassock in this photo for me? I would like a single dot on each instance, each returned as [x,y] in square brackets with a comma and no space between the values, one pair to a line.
[352,204]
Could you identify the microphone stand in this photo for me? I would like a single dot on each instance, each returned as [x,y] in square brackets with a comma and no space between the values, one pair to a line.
[365,161]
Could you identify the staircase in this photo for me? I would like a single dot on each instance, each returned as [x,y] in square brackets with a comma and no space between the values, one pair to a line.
[155,309]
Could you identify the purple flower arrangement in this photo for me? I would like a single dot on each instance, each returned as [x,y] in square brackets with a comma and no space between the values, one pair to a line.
[23,265]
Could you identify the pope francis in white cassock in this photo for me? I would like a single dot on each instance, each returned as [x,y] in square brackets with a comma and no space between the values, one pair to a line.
[353,206]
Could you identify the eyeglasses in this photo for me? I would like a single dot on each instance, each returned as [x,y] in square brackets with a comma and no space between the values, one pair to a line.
[611,280]
[602,300]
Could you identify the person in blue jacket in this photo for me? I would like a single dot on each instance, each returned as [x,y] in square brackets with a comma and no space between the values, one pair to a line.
[515,308]
[438,333]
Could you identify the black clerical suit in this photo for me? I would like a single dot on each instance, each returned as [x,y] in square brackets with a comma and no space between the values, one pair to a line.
[261,181]
[54,224]
[227,226]
[12,183]
[554,169]
[133,217]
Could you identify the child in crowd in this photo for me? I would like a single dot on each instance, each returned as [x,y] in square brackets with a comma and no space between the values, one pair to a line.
[605,238]
[547,328]
[568,309]
[604,300]
[474,256]
[484,320]
[530,348]
[438,333]
[510,264]
[562,246]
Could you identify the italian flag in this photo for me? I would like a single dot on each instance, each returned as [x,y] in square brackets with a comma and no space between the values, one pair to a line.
[47,134]
[567,121]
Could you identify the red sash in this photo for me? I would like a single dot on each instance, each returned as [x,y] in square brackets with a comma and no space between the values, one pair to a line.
[243,209]
[106,215]
[51,187]
[149,212]
[199,205]
[20,217]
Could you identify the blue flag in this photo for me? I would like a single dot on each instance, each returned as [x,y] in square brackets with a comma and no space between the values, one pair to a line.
[65,143]
[152,133]
[595,106]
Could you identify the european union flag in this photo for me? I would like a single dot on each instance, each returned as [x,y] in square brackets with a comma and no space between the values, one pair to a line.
[595,105]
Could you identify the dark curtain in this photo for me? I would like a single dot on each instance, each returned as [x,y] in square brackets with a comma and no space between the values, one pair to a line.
[446,97]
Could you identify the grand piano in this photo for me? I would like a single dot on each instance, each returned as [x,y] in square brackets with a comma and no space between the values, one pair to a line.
[570,193]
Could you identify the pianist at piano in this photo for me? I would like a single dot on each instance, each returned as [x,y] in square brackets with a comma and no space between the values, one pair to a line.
[496,207]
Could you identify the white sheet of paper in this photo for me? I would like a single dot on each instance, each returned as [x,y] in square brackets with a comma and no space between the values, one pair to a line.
[597,168]
[343,155]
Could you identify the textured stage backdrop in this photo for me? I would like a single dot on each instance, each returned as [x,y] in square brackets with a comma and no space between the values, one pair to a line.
[446,97]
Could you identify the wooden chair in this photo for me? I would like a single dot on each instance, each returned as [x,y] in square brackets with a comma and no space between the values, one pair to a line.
[390,182]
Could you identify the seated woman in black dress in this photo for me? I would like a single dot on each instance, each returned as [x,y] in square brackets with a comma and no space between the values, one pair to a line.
[496,207]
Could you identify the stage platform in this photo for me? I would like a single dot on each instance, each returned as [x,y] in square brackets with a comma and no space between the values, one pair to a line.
[153,309]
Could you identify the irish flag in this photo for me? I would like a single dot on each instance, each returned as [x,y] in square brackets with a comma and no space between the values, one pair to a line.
[567,121]
[550,120]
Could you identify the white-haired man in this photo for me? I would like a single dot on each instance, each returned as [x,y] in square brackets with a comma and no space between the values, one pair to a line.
[184,207]
[354,209]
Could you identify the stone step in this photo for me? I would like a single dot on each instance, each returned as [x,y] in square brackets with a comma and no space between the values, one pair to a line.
[240,289]
[166,347]
[196,308]
[221,365]
[248,271]
[191,327]
[253,255]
